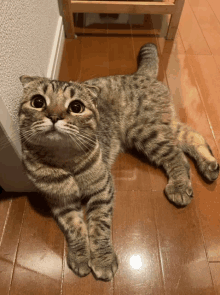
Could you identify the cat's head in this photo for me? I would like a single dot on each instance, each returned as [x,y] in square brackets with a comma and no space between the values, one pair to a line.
[53,112]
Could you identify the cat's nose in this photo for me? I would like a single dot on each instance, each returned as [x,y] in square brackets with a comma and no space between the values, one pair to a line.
[54,118]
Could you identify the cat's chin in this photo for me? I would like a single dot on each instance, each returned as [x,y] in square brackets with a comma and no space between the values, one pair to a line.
[54,138]
[54,135]
[49,138]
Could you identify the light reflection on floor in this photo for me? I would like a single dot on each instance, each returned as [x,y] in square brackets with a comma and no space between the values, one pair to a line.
[135,261]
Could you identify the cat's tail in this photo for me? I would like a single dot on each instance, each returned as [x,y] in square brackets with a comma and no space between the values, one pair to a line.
[148,60]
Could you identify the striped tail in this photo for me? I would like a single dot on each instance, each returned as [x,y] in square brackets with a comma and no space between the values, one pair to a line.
[148,60]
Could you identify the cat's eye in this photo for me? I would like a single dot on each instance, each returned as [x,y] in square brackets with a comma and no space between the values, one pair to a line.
[38,101]
[76,106]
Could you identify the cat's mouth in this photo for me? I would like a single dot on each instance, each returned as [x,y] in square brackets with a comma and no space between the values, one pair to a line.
[53,133]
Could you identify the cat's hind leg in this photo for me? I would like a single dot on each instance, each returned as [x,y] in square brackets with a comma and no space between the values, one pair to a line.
[70,220]
[193,144]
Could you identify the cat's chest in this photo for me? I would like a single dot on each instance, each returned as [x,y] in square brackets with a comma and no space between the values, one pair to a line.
[86,171]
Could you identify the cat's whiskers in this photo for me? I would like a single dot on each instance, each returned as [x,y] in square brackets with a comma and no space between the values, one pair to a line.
[87,137]
[41,127]
[28,135]
[28,132]
[6,142]
[15,136]
[37,123]
[75,141]
[83,135]
[79,143]
[96,135]
[28,138]
[73,133]
[71,126]
[82,142]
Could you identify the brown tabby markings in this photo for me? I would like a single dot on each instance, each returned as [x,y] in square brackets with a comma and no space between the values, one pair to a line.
[71,134]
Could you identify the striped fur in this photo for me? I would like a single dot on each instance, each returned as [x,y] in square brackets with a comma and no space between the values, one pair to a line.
[71,134]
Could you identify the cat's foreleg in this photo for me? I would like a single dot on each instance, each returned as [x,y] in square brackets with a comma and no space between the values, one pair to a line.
[160,147]
[179,188]
[103,259]
[70,220]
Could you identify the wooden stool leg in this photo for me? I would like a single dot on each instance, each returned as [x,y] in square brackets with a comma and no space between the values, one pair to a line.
[68,20]
[174,20]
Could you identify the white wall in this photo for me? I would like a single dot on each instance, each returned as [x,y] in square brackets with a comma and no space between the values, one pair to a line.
[28,34]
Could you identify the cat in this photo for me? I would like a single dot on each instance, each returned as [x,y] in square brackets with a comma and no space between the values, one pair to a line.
[71,134]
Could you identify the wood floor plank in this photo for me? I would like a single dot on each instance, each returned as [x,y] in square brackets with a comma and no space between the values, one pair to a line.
[207,78]
[215,271]
[94,57]
[184,262]
[10,239]
[121,56]
[217,60]
[191,33]
[135,242]
[72,283]
[215,5]
[4,211]
[130,174]
[6,271]
[208,23]
[208,204]
[29,282]
[41,246]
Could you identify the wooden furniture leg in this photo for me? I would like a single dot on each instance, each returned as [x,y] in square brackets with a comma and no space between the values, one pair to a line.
[174,20]
[68,20]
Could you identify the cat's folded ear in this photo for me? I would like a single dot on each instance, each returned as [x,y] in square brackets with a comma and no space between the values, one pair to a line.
[93,90]
[27,79]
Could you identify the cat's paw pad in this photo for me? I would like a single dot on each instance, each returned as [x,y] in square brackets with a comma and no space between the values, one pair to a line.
[211,170]
[79,266]
[104,269]
[179,194]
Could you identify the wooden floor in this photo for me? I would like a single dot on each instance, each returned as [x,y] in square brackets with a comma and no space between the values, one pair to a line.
[161,249]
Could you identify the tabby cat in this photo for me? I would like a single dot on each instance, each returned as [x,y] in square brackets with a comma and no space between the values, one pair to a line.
[71,134]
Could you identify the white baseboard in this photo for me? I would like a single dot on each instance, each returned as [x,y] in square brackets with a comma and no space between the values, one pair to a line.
[57,51]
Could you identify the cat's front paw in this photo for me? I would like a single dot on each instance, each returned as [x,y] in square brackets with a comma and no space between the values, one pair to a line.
[104,268]
[179,193]
[78,264]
